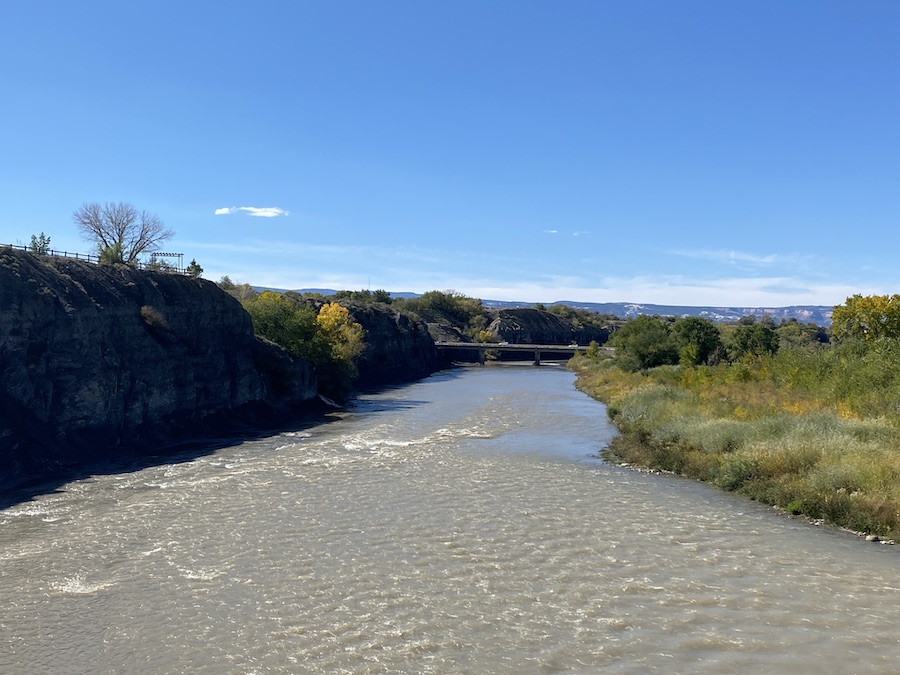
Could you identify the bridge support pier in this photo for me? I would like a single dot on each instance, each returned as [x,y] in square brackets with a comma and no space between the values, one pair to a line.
[537,357]
[481,356]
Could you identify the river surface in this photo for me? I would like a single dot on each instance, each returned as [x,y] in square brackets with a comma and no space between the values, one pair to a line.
[462,524]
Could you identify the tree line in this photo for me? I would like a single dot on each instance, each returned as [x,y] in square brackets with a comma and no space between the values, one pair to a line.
[651,341]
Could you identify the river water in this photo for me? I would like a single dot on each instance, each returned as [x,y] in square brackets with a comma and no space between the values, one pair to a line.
[462,524]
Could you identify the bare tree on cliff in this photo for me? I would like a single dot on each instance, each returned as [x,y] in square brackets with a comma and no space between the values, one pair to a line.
[120,232]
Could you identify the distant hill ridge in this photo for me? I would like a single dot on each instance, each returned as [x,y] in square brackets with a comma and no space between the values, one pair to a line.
[817,314]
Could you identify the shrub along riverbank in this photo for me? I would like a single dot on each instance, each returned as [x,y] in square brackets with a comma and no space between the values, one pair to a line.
[816,432]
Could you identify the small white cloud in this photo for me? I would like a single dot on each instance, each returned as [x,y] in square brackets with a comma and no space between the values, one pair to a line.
[264,211]
[578,233]
[550,231]
[258,211]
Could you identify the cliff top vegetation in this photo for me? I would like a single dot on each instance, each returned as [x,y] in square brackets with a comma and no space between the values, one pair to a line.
[319,331]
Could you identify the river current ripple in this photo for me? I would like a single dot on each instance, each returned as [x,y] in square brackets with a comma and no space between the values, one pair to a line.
[462,524]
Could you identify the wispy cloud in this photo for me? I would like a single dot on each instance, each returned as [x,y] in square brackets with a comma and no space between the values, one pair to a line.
[666,290]
[258,211]
[292,264]
[576,233]
[732,257]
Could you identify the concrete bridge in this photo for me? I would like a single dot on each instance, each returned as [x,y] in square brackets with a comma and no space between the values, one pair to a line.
[482,348]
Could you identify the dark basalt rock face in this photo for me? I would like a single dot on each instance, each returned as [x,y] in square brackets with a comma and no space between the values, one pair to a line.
[399,347]
[532,326]
[94,358]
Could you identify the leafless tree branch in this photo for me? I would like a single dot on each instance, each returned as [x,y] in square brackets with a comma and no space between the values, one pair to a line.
[119,231]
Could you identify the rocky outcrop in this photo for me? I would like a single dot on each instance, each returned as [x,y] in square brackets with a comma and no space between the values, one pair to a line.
[442,332]
[94,358]
[399,347]
[533,326]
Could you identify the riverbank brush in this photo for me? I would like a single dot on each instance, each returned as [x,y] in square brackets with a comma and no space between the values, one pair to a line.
[766,429]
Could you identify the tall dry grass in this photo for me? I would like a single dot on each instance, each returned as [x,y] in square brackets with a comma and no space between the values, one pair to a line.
[817,434]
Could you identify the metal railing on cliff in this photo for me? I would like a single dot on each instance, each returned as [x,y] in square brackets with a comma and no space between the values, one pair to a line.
[155,262]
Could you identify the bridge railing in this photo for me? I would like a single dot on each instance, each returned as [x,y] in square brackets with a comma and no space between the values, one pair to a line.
[483,348]
[510,346]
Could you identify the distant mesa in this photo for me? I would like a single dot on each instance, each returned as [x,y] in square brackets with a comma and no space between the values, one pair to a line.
[817,314]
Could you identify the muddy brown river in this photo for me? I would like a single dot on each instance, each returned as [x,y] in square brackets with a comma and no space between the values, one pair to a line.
[462,524]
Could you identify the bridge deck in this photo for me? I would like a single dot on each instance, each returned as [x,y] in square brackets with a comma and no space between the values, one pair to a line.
[483,347]
[509,347]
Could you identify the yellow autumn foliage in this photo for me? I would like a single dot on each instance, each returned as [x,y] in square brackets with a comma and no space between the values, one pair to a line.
[868,317]
[344,336]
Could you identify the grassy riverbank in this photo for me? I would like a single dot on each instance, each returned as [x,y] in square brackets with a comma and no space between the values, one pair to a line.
[814,432]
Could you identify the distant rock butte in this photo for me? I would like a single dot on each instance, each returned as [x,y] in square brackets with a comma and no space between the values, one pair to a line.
[525,325]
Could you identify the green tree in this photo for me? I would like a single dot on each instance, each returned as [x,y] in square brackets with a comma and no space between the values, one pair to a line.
[112,254]
[327,336]
[119,231]
[751,340]
[867,318]
[697,339]
[365,295]
[287,322]
[194,269]
[157,264]
[462,312]
[381,295]
[644,342]
[40,244]
[582,316]
[806,336]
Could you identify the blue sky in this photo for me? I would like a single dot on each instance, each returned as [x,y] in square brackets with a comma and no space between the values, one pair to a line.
[740,153]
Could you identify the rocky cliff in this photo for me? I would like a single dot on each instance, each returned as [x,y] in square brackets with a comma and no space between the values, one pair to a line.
[533,326]
[94,358]
[398,346]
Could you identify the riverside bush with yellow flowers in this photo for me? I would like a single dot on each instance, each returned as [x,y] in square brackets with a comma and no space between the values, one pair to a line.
[815,432]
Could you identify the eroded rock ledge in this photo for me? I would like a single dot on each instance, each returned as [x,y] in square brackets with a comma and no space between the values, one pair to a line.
[97,358]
